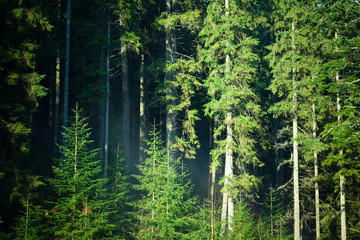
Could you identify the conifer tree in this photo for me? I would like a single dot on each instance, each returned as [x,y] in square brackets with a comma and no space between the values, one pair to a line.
[340,26]
[21,89]
[78,209]
[30,224]
[166,207]
[119,197]
[288,58]
[228,54]
[244,224]
[275,217]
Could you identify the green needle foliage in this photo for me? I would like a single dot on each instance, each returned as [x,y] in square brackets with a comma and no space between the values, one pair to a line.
[166,208]
[30,224]
[244,223]
[119,203]
[78,210]
[230,83]
[275,217]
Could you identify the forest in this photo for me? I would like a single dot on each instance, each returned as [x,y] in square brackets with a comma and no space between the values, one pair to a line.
[180,119]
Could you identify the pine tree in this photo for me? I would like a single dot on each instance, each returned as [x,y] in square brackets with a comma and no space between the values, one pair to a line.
[166,207]
[78,209]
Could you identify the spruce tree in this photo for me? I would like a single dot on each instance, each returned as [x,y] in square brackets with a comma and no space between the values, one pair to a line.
[340,27]
[166,206]
[119,197]
[275,217]
[288,60]
[78,207]
[228,54]
[30,223]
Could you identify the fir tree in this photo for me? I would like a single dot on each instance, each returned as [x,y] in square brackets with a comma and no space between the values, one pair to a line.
[78,209]
[119,204]
[275,217]
[244,223]
[341,40]
[228,53]
[30,224]
[166,207]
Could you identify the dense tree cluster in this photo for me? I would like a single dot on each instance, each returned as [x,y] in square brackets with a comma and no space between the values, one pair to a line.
[265,94]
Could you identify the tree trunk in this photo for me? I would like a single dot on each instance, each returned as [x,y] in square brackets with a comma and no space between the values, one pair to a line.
[316,175]
[229,171]
[142,103]
[101,116]
[170,45]
[67,62]
[342,178]
[212,185]
[295,152]
[227,213]
[57,102]
[107,104]
[126,102]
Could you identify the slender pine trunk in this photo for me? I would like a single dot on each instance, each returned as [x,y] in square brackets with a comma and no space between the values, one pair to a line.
[295,149]
[57,88]
[342,178]
[126,103]
[142,113]
[229,171]
[67,65]
[227,213]
[170,45]
[316,175]
[57,102]
[101,115]
[212,187]
[107,104]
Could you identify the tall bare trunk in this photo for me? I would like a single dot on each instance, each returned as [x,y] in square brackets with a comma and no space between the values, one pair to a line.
[316,175]
[212,184]
[229,170]
[295,151]
[107,104]
[342,178]
[67,65]
[57,102]
[126,102]
[101,115]
[227,213]
[170,45]
[142,103]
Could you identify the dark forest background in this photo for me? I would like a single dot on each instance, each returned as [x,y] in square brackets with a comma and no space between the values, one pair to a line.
[179,119]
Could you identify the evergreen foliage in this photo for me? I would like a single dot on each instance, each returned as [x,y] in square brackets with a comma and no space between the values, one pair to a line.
[119,199]
[244,223]
[78,207]
[230,88]
[207,71]
[274,215]
[166,208]
[30,224]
